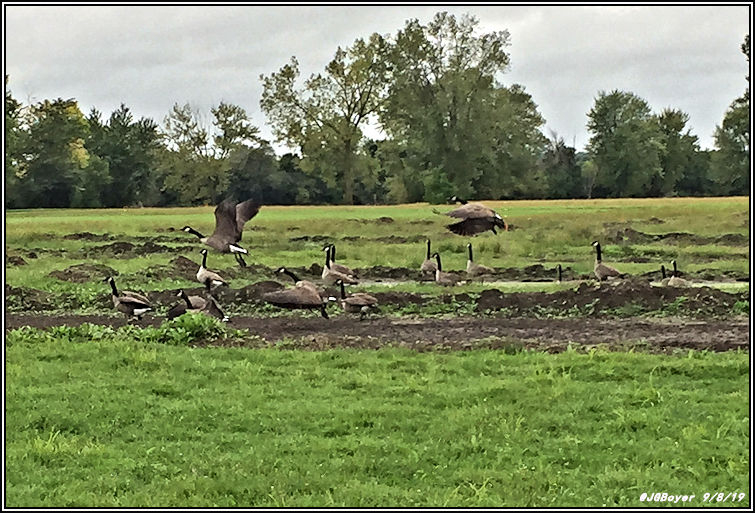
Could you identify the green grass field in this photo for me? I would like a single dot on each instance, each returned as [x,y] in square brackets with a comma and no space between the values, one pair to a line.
[543,232]
[140,417]
[108,421]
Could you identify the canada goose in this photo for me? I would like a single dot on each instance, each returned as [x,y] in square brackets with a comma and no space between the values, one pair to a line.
[664,279]
[476,218]
[194,304]
[474,269]
[558,269]
[603,271]
[330,275]
[230,218]
[130,303]
[675,280]
[429,265]
[304,295]
[338,267]
[445,279]
[207,277]
[359,302]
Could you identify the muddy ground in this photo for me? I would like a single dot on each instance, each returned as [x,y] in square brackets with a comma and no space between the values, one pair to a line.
[458,333]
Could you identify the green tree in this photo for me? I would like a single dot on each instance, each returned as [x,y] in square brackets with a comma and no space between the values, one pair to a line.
[730,164]
[678,152]
[326,116]
[562,171]
[15,135]
[443,108]
[625,146]
[59,168]
[128,148]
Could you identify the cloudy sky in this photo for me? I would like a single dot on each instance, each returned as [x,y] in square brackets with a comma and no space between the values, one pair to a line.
[150,57]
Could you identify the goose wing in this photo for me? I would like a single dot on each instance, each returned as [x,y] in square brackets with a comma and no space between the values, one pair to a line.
[244,212]
[472,226]
[294,298]
[361,299]
[134,302]
[134,295]
[471,211]
[225,221]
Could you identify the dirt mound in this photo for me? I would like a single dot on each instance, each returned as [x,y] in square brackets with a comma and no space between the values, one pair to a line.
[26,299]
[457,334]
[310,238]
[15,260]
[635,295]
[627,235]
[82,273]
[391,273]
[89,236]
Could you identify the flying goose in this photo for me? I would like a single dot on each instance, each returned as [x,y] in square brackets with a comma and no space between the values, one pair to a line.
[330,275]
[304,295]
[207,277]
[429,265]
[475,218]
[475,269]
[359,302]
[230,218]
[675,280]
[195,304]
[130,303]
[603,271]
[445,279]
[338,267]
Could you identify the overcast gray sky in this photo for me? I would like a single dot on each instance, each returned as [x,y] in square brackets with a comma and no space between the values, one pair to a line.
[150,57]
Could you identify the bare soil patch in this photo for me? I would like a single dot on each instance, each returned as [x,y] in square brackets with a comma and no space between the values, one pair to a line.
[460,333]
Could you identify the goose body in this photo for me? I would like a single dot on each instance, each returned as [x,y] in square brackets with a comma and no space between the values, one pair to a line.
[475,218]
[339,267]
[429,265]
[359,302]
[443,278]
[601,270]
[206,277]
[675,280]
[330,275]
[130,303]
[475,269]
[196,304]
[230,218]
[304,295]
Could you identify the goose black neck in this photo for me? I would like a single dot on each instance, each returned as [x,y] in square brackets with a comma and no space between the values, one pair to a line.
[185,298]
[204,259]
[332,253]
[292,275]
[470,253]
[675,271]
[327,258]
[559,272]
[194,232]
[437,259]
[428,250]
[597,250]
[112,286]
[343,291]
[663,272]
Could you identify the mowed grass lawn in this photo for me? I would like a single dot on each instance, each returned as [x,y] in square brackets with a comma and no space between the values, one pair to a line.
[122,423]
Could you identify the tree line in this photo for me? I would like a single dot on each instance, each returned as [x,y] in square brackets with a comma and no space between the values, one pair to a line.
[434,91]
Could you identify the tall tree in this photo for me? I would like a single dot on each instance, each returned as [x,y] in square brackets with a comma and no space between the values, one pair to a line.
[730,165]
[562,171]
[440,105]
[625,147]
[678,153]
[326,116]
[60,171]
[14,140]
[128,147]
